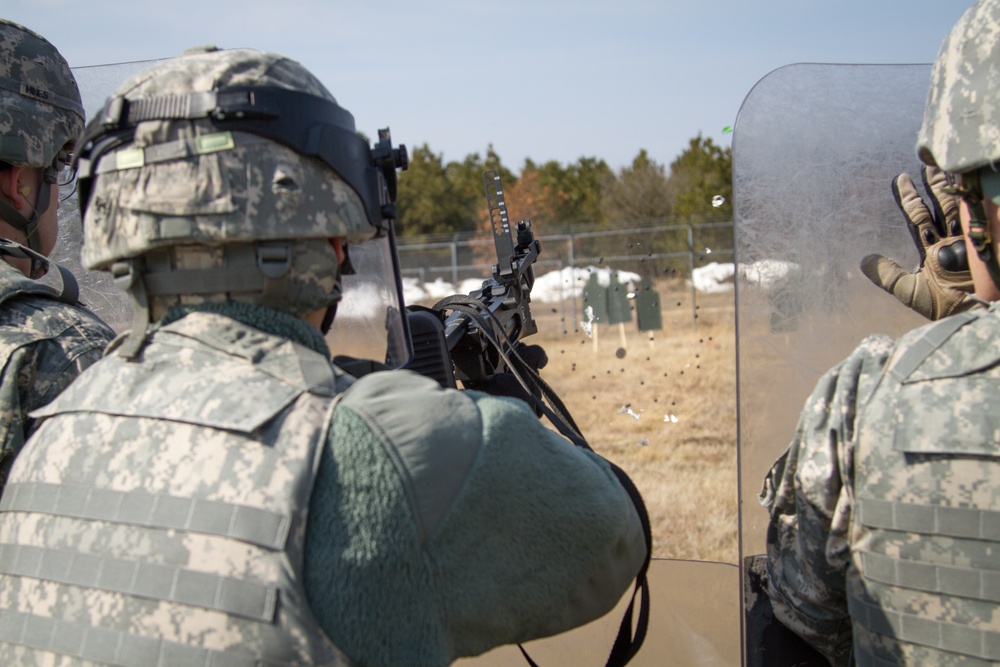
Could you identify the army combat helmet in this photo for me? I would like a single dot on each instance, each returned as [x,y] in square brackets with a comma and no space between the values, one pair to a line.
[221,175]
[41,115]
[961,126]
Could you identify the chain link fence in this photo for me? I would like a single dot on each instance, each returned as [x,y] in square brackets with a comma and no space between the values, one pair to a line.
[654,252]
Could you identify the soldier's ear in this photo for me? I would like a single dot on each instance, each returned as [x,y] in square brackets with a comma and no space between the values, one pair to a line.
[11,188]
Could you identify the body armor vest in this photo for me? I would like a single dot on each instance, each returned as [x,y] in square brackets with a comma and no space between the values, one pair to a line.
[924,586]
[158,516]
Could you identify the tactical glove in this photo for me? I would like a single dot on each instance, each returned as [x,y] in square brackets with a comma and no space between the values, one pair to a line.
[942,284]
[506,384]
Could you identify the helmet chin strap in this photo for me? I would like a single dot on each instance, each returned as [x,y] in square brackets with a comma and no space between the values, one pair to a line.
[331,310]
[328,316]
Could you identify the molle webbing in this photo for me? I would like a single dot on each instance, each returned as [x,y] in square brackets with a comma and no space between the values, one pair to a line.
[102,645]
[249,600]
[930,520]
[247,524]
[933,338]
[257,606]
[931,578]
[153,582]
[864,659]
[913,629]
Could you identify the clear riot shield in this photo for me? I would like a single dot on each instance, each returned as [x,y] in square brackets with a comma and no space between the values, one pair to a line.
[694,621]
[815,149]
[97,290]
[370,322]
[647,373]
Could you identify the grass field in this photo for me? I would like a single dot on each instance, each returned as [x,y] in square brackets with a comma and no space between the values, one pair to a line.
[664,409]
[661,405]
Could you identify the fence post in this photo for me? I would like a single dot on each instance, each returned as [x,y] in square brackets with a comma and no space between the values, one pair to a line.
[454,260]
[572,274]
[562,297]
[694,306]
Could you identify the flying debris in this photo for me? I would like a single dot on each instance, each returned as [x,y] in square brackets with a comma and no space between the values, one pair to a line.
[588,324]
[627,410]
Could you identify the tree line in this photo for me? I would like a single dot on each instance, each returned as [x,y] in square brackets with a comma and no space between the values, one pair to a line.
[438,197]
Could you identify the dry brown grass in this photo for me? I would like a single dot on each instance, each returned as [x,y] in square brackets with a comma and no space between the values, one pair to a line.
[665,411]
[685,469]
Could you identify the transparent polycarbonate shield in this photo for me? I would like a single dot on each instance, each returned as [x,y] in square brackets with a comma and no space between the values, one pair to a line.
[815,149]
[370,322]
[694,622]
[98,82]
[658,398]
[97,290]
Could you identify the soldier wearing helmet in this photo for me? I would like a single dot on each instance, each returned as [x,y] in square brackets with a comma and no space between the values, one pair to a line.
[215,490]
[884,510]
[46,337]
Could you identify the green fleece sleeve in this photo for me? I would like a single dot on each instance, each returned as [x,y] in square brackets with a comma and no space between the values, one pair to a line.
[445,523]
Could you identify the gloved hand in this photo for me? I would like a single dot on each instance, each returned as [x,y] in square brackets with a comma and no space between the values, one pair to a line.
[942,284]
[506,384]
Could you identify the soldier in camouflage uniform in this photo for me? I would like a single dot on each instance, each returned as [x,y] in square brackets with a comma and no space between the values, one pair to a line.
[885,510]
[215,491]
[46,337]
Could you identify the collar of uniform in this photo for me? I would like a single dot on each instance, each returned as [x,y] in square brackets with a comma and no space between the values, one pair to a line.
[262,318]
[13,282]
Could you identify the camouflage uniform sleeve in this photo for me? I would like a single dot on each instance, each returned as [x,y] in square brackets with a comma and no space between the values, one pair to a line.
[809,498]
[48,348]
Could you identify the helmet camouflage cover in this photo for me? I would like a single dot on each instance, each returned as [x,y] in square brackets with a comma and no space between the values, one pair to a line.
[185,182]
[41,115]
[961,127]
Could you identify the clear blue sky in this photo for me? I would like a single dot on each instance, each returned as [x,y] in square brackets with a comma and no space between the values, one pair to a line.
[539,79]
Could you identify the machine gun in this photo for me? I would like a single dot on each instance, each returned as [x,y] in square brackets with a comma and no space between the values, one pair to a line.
[478,339]
[473,342]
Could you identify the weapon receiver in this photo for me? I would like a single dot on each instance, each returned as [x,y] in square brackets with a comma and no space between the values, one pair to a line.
[465,336]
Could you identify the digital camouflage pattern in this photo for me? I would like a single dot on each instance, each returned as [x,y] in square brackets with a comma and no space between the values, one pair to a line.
[185,182]
[158,514]
[961,128]
[180,483]
[810,505]
[885,508]
[44,345]
[41,113]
